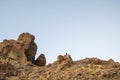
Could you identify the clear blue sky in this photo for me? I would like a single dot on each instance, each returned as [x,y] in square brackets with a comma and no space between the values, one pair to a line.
[82,28]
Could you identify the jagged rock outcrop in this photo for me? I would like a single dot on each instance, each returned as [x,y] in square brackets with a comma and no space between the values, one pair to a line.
[30,46]
[23,49]
[86,69]
[41,60]
[13,49]
[17,63]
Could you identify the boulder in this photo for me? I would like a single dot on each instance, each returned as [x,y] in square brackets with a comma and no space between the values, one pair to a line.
[30,46]
[41,60]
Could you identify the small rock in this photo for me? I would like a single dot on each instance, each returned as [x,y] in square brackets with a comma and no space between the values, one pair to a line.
[41,60]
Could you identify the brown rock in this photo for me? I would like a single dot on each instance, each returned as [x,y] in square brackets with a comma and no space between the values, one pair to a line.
[67,57]
[22,50]
[6,69]
[14,54]
[41,60]
[60,58]
[13,49]
[29,45]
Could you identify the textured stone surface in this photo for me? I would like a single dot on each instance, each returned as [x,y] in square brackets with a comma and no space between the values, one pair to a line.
[17,63]
[41,60]
[13,49]
[87,69]
[6,69]
[29,45]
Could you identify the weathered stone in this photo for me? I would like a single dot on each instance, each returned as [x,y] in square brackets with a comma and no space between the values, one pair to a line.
[23,49]
[60,58]
[13,49]
[15,53]
[41,60]
[6,69]
[29,45]
[67,57]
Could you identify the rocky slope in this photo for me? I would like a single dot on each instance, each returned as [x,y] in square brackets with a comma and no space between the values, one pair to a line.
[17,62]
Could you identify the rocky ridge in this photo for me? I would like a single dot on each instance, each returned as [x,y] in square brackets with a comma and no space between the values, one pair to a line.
[17,62]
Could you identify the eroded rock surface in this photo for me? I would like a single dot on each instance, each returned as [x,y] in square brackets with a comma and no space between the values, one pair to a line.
[17,63]
[41,60]
[6,70]
[13,49]
[30,46]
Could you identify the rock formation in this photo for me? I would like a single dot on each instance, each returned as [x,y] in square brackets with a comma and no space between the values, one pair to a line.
[17,62]
[41,60]
[13,49]
[23,49]
[30,46]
